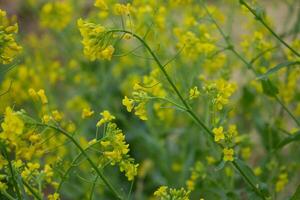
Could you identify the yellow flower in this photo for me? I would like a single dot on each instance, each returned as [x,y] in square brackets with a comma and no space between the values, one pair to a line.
[194,93]
[9,49]
[3,186]
[32,93]
[101,4]
[42,96]
[140,111]
[129,103]
[219,135]
[46,118]
[93,36]
[169,193]
[12,124]
[281,182]
[54,196]
[232,131]
[57,115]
[161,191]
[106,117]
[228,154]
[107,52]
[56,15]
[86,112]
[122,9]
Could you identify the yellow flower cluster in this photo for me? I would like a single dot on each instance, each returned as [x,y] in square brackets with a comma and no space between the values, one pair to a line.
[197,171]
[115,150]
[165,193]
[281,182]
[149,88]
[56,15]
[220,135]
[220,91]
[9,49]
[193,45]
[95,41]
[26,143]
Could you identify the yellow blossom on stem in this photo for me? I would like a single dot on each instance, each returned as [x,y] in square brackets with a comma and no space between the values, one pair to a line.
[101,4]
[43,97]
[106,117]
[122,9]
[9,49]
[86,112]
[194,93]
[228,154]
[219,135]
[129,103]
[54,196]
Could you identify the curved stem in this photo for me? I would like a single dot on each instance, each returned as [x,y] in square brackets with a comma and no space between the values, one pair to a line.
[259,18]
[93,165]
[187,106]
[249,65]
[287,110]
[161,66]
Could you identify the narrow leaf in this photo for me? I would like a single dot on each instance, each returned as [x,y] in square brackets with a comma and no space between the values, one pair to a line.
[269,88]
[278,67]
[288,140]
[296,195]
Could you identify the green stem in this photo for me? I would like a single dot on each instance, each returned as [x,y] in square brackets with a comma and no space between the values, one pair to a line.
[259,18]
[93,165]
[12,173]
[8,196]
[31,190]
[235,164]
[249,65]
[186,105]
[161,66]
[93,188]
[287,110]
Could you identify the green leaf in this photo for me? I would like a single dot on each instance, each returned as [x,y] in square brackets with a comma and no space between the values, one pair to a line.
[277,67]
[269,88]
[220,165]
[296,195]
[288,140]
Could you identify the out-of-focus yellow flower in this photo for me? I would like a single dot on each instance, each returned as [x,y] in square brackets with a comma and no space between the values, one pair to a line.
[194,93]
[56,15]
[9,49]
[228,154]
[95,46]
[42,96]
[101,4]
[86,112]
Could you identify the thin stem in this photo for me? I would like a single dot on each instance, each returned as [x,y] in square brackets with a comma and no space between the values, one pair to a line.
[259,18]
[93,165]
[186,105]
[247,179]
[8,196]
[287,110]
[17,190]
[31,190]
[249,65]
[93,188]
[161,66]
